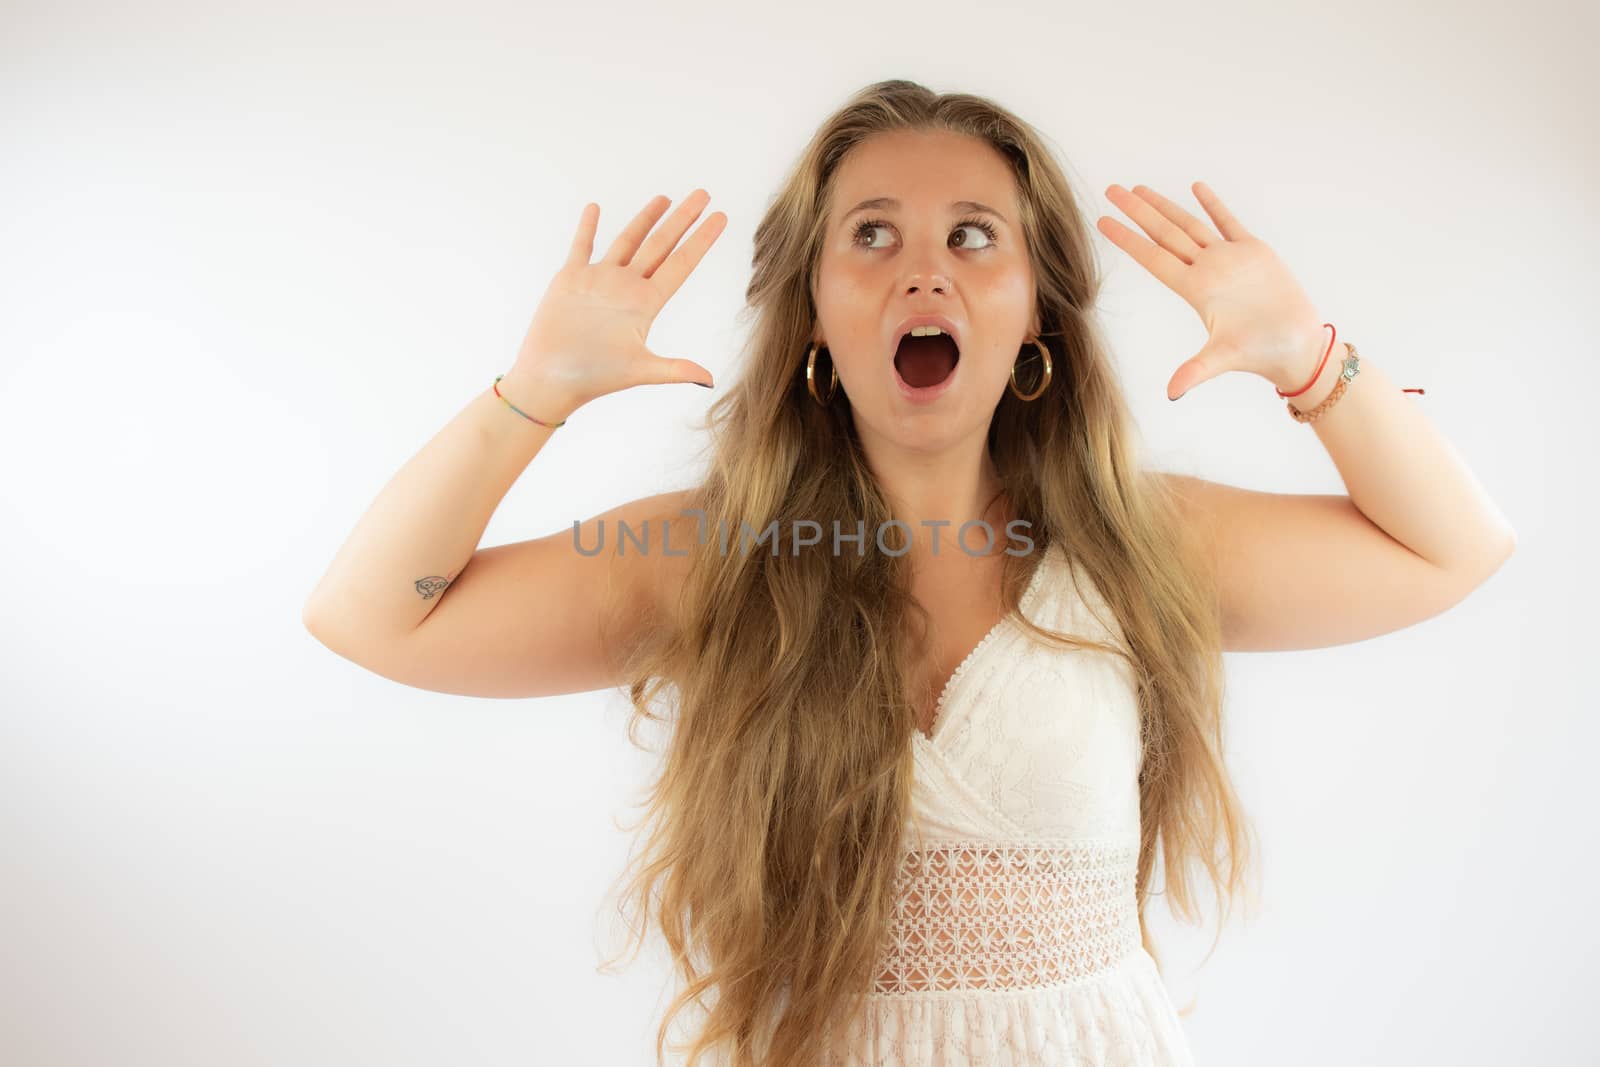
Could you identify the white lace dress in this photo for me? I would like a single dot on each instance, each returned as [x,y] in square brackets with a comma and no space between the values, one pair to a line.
[1016,938]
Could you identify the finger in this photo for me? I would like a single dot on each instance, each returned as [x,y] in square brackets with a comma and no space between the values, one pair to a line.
[1167,268]
[582,250]
[670,232]
[1198,232]
[671,274]
[1154,223]
[1204,365]
[671,371]
[1226,224]
[627,242]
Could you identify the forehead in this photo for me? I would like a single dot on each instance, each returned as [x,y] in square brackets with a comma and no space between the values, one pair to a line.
[924,171]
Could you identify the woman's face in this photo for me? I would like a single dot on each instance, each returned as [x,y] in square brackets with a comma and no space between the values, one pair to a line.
[930,253]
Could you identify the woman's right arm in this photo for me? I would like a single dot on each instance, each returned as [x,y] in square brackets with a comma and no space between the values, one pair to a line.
[410,595]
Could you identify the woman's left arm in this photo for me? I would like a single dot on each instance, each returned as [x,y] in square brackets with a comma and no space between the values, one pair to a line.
[1401,472]
[1416,533]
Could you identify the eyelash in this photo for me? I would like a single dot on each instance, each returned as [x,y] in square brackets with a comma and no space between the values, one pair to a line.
[987,228]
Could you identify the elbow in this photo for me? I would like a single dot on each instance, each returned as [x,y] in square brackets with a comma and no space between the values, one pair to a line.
[1485,560]
[312,616]
[1504,547]
[1508,545]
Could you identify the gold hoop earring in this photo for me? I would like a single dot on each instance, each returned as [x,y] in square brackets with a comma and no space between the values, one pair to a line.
[811,377]
[1044,382]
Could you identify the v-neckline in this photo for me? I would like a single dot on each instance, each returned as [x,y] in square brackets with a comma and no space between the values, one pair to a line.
[984,642]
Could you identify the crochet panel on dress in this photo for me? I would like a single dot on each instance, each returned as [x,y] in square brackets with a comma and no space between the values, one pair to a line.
[983,915]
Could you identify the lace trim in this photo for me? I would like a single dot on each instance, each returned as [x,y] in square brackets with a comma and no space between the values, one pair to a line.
[982,915]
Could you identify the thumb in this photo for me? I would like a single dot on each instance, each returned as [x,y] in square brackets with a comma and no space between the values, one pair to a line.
[1202,366]
[671,371]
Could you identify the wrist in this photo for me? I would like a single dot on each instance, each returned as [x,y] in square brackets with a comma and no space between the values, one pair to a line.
[537,396]
[1298,377]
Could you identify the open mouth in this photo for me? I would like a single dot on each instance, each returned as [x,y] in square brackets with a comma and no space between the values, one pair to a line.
[924,362]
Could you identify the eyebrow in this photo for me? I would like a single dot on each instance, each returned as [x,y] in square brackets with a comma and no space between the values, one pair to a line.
[891,202]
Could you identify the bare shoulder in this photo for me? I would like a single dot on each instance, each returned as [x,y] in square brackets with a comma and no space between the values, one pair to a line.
[654,561]
[1198,503]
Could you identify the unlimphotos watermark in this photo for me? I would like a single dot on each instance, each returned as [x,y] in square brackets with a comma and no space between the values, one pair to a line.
[805,533]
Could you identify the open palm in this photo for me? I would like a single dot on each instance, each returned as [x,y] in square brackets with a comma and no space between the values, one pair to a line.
[1257,316]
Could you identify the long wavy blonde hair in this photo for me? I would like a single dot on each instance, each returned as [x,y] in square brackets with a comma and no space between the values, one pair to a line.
[775,823]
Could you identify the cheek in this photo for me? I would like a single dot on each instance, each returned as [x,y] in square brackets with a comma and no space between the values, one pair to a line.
[839,277]
[1003,302]
[838,289]
[1010,291]
[851,320]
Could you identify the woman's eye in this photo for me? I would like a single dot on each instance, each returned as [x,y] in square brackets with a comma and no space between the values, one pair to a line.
[984,231]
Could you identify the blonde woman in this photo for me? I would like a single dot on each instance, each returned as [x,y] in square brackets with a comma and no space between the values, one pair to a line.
[918,766]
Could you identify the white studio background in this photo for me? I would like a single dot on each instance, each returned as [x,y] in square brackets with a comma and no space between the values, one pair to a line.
[252,258]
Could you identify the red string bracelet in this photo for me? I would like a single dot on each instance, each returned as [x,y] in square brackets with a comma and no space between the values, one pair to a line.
[1324,363]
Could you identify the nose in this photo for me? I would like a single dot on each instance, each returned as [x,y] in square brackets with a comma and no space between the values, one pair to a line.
[937,283]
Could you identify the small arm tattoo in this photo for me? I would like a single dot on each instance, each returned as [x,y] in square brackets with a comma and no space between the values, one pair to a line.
[429,587]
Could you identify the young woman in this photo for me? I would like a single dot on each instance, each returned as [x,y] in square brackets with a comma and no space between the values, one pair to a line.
[944,661]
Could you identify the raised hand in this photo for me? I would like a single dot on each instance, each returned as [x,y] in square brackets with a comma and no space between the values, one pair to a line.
[588,335]
[1258,317]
